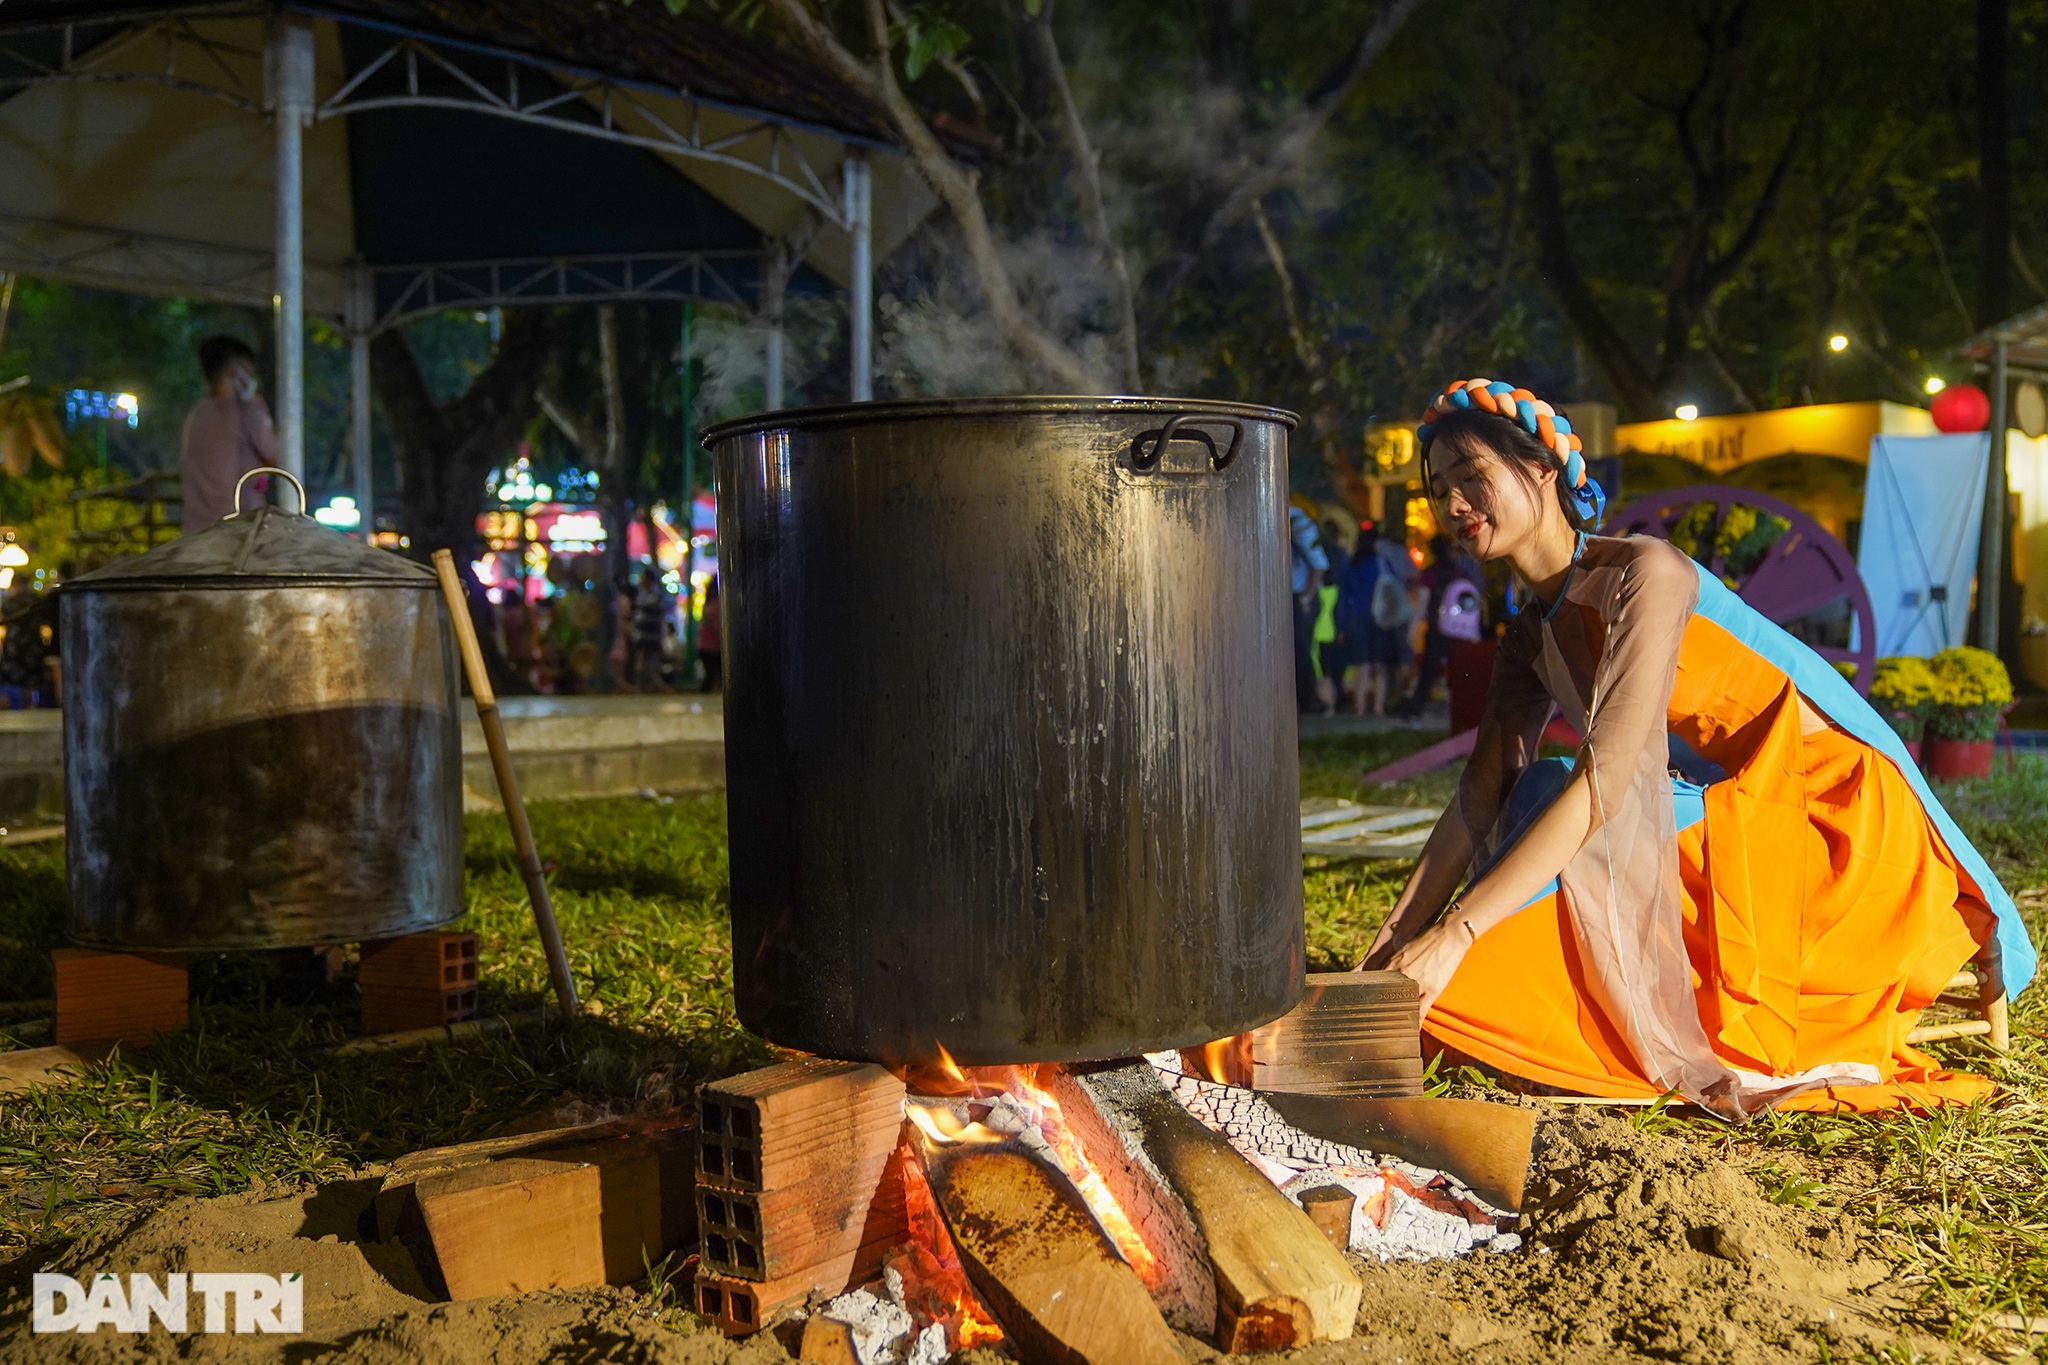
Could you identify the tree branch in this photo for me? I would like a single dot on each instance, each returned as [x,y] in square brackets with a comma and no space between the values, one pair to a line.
[1717,351]
[1094,212]
[956,189]
[1270,165]
[1596,331]
[1716,270]
[1304,347]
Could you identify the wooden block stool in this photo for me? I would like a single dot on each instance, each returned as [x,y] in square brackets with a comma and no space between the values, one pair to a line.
[419,981]
[1978,988]
[126,997]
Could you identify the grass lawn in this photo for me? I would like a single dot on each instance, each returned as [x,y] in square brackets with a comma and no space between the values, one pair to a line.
[1959,1198]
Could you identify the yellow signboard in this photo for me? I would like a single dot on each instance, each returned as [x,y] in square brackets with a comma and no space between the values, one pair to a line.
[1719,444]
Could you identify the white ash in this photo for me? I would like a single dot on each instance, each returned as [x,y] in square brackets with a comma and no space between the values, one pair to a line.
[882,1329]
[1388,1221]
[876,1325]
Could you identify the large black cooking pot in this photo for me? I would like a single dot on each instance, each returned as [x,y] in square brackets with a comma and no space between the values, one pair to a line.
[1010,738]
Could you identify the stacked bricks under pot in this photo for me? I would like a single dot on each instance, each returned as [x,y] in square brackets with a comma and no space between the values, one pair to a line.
[792,1187]
[123,997]
[419,981]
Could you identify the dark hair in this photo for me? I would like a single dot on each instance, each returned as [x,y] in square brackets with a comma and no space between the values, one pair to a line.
[1469,429]
[1368,538]
[216,353]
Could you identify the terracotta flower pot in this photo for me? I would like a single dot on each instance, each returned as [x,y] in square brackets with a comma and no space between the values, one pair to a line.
[1950,759]
[1912,749]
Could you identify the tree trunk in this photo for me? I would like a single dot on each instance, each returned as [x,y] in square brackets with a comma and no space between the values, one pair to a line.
[956,188]
[1994,164]
[1094,211]
[445,450]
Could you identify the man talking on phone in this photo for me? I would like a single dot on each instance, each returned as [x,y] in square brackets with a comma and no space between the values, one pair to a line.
[227,434]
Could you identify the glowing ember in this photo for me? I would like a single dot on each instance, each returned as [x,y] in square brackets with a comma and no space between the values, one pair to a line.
[935,1288]
[1021,1084]
[1081,1171]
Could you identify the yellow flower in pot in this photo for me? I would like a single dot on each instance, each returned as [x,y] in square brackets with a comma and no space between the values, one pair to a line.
[1971,693]
[1903,691]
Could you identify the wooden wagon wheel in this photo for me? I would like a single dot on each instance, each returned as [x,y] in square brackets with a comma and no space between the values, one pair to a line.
[1803,571]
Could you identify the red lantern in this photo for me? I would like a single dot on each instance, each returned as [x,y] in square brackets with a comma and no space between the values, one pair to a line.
[1961,407]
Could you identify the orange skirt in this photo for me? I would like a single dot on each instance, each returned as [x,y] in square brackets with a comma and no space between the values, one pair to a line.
[1823,913]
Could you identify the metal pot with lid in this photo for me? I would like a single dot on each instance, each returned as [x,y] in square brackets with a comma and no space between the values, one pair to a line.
[262,744]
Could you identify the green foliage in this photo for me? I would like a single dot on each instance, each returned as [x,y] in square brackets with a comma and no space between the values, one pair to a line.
[929,35]
[41,510]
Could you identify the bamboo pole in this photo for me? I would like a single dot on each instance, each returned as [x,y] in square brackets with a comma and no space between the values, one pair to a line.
[508,782]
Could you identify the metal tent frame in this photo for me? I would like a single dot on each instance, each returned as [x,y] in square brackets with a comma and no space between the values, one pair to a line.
[2014,349]
[772,128]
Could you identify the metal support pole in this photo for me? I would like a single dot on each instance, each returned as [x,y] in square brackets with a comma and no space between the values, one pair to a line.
[861,288]
[360,307]
[689,509]
[774,283]
[1991,545]
[290,68]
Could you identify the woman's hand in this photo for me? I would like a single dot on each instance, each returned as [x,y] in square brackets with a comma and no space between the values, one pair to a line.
[1431,958]
[1393,937]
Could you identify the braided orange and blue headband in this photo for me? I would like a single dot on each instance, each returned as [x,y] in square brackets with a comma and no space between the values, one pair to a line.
[1534,416]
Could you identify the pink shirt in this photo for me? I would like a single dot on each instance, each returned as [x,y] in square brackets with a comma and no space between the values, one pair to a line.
[225,438]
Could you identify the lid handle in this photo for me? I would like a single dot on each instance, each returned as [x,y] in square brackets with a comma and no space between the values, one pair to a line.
[288,477]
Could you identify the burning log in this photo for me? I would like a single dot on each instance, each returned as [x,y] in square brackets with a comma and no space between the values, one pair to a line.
[1278,1282]
[1034,1250]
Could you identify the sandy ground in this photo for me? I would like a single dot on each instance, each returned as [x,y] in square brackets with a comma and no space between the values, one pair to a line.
[1638,1248]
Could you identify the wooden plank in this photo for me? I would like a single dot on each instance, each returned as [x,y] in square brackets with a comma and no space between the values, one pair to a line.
[1439,755]
[827,1341]
[617,1147]
[644,1205]
[1040,1262]
[1279,1282]
[53,1066]
[1486,1146]
[514,1226]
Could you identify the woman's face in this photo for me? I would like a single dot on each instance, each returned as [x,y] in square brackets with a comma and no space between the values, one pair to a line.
[1489,507]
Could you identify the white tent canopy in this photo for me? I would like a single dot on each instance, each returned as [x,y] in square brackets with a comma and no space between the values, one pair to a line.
[467,153]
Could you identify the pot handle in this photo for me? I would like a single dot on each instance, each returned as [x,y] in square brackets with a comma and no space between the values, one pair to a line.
[289,478]
[1145,458]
